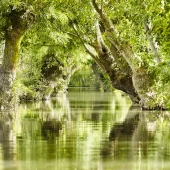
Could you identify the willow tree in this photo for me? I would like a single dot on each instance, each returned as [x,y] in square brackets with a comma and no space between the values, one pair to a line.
[127,41]
[133,35]
[89,29]
[16,20]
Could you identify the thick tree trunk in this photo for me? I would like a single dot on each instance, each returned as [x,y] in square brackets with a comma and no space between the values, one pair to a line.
[118,70]
[58,86]
[6,82]
[8,67]
[18,25]
[121,77]
[61,84]
[139,78]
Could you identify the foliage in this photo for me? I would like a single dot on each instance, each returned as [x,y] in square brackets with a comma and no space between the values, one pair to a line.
[83,77]
[65,28]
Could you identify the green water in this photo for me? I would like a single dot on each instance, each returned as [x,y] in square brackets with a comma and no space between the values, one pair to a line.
[84,130]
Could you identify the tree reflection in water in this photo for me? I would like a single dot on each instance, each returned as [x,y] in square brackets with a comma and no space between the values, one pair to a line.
[86,130]
[51,129]
[143,135]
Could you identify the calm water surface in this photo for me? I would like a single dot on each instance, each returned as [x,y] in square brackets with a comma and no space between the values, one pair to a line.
[84,130]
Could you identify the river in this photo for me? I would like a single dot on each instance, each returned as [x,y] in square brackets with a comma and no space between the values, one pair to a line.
[84,130]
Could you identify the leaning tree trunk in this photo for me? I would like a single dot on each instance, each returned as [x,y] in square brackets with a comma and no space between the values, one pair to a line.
[118,70]
[121,77]
[119,74]
[18,25]
[140,77]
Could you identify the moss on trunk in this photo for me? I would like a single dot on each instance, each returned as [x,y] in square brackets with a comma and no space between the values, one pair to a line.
[16,27]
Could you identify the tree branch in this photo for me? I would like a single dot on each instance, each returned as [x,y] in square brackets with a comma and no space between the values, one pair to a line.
[99,11]
[94,56]
[107,22]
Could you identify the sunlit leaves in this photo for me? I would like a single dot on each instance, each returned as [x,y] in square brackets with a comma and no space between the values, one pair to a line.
[59,38]
[57,15]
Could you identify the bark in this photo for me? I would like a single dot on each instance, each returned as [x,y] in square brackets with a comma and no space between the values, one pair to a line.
[121,51]
[8,67]
[6,82]
[120,74]
[59,85]
[139,78]
[17,27]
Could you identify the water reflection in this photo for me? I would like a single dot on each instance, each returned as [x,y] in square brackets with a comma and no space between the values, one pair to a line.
[84,130]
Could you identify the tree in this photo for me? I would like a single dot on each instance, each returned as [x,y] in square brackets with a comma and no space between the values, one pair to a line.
[109,59]
[122,30]
[17,17]
[17,20]
[49,56]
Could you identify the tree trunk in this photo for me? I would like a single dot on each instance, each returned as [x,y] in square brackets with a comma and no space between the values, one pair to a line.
[140,80]
[122,75]
[118,70]
[13,37]
[8,67]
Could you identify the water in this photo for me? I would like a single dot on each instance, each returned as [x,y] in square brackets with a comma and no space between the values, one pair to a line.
[84,130]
